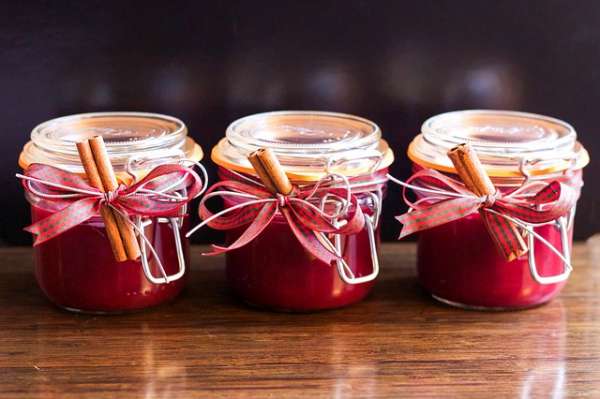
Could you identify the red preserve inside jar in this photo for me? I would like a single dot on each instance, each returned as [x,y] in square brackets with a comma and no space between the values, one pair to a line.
[275,270]
[458,263]
[77,270]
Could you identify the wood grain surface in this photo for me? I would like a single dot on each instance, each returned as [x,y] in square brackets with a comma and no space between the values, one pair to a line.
[397,343]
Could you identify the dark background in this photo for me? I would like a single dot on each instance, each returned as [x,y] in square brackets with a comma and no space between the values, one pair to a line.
[208,63]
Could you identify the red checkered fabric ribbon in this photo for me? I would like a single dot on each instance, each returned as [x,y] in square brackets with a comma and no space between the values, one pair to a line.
[156,195]
[312,211]
[442,199]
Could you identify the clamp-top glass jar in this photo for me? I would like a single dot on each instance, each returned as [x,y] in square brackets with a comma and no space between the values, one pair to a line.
[458,262]
[274,270]
[76,269]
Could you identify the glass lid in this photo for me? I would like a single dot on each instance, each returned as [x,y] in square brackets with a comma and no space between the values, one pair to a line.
[128,135]
[307,143]
[504,140]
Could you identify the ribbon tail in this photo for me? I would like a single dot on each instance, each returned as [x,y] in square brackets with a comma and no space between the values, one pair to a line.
[506,235]
[308,239]
[408,227]
[262,220]
[59,222]
[436,215]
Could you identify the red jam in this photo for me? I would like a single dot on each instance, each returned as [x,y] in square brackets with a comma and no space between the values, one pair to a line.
[475,274]
[275,271]
[459,263]
[76,270]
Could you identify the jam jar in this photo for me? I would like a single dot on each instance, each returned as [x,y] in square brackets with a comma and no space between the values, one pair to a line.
[77,269]
[274,270]
[457,262]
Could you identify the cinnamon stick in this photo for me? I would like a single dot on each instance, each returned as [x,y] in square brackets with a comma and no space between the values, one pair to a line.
[109,182]
[471,171]
[262,172]
[272,169]
[112,230]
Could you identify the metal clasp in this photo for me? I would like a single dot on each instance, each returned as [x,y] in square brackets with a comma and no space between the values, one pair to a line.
[175,222]
[175,225]
[371,222]
[563,225]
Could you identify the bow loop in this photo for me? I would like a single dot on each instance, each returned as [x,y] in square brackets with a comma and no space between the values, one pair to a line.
[441,199]
[159,193]
[306,211]
[52,180]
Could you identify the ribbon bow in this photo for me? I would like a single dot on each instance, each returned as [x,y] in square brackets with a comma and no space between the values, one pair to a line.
[156,195]
[255,206]
[442,199]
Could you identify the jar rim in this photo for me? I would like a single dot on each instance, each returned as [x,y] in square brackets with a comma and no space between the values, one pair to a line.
[127,135]
[247,131]
[506,142]
[307,143]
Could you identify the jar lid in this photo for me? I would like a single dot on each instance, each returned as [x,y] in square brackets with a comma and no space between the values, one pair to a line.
[144,138]
[506,142]
[308,144]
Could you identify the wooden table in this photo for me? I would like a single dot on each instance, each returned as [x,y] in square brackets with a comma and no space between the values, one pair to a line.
[397,343]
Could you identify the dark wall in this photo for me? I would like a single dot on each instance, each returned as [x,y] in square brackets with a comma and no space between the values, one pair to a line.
[208,63]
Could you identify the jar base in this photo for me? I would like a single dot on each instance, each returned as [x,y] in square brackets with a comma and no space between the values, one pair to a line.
[97,312]
[114,312]
[486,308]
[266,307]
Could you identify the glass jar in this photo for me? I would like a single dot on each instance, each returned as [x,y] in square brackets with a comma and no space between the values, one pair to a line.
[457,262]
[76,269]
[274,270]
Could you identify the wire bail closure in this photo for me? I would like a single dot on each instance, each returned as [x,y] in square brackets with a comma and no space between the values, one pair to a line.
[371,223]
[175,223]
[142,223]
[563,224]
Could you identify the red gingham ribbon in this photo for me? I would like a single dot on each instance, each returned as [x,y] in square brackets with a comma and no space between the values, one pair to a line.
[77,201]
[442,199]
[256,207]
